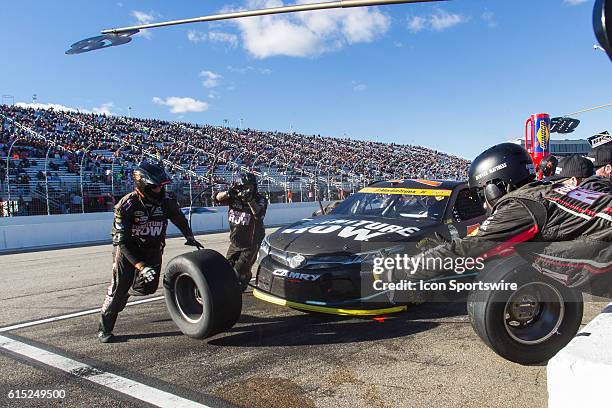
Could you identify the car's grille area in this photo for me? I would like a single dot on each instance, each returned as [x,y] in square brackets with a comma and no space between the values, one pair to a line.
[312,261]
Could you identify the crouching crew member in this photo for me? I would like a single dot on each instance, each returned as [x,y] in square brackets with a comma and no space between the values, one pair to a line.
[139,235]
[247,209]
[601,157]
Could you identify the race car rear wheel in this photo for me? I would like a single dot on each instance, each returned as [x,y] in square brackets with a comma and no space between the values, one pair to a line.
[528,325]
[202,293]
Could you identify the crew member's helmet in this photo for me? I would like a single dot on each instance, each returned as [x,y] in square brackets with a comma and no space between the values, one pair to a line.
[501,169]
[245,180]
[148,176]
[548,165]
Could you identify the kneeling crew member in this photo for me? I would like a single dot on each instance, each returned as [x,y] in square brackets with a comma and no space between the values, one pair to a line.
[247,209]
[568,221]
[601,157]
[139,235]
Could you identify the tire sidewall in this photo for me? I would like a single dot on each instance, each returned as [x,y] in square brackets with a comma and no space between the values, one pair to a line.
[487,315]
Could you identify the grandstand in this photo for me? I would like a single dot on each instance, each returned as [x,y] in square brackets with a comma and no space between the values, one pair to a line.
[66,161]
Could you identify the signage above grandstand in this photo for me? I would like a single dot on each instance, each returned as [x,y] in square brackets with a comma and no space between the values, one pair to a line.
[600,139]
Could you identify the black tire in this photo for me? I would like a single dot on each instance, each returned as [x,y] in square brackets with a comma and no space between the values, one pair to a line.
[515,324]
[208,274]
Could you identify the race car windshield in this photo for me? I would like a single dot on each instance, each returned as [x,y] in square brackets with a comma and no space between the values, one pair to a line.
[393,206]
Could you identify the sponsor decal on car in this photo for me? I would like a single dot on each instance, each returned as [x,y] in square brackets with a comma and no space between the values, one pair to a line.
[359,230]
[284,273]
[406,191]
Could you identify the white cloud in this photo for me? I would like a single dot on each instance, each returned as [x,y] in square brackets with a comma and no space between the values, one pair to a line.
[308,34]
[218,36]
[440,20]
[196,36]
[211,79]
[104,109]
[144,18]
[182,105]
[574,2]
[359,87]
[416,23]
[489,18]
[240,70]
[265,71]
[398,44]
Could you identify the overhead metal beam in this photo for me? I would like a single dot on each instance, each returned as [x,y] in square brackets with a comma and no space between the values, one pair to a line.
[267,11]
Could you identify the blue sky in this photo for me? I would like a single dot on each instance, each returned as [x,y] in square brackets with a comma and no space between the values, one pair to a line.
[457,76]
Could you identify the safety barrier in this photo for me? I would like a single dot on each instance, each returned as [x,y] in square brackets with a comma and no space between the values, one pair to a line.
[579,375]
[60,231]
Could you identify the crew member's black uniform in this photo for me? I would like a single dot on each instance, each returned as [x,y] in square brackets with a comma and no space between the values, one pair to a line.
[563,230]
[598,183]
[247,209]
[246,233]
[139,235]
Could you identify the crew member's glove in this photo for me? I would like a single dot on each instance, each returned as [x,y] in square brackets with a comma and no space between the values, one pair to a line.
[191,241]
[429,243]
[232,193]
[147,274]
[245,195]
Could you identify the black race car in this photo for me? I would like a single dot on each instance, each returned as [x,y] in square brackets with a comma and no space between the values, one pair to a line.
[325,264]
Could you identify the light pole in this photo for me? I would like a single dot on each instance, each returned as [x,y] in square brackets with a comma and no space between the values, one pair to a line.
[81,171]
[47,179]
[190,186]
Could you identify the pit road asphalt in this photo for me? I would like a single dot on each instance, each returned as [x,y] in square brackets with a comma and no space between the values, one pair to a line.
[428,356]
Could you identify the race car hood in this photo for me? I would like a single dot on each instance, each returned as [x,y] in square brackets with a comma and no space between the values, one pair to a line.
[333,234]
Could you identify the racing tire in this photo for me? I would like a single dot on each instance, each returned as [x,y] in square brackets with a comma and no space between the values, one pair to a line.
[528,325]
[202,293]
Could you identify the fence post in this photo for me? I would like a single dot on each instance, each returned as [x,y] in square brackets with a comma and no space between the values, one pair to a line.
[81,171]
[113,177]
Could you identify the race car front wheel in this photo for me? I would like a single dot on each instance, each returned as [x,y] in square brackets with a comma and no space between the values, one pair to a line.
[202,293]
[529,324]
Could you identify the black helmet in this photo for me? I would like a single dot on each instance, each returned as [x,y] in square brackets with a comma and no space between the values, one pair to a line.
[246,179]
[501,169]
[149,175]
[548,165]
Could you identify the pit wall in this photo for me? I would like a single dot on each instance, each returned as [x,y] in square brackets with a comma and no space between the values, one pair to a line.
[580,374]
[19,234]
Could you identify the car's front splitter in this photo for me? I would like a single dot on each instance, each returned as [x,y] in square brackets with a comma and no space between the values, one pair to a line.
[267,297]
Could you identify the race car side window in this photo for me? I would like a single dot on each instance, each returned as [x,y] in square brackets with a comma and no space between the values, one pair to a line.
[467,206]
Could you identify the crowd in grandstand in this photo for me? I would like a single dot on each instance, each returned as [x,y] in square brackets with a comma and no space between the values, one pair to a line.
[66,136]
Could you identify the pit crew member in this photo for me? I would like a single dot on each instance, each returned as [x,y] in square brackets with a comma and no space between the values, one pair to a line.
[601,157]
[247,209]
[567,222]
[547,167]
[139,234]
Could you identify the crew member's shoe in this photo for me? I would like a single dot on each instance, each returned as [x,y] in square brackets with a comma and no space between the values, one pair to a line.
[104,337]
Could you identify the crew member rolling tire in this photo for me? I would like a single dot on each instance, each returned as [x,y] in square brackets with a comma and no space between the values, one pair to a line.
[202,293]
[528,325]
